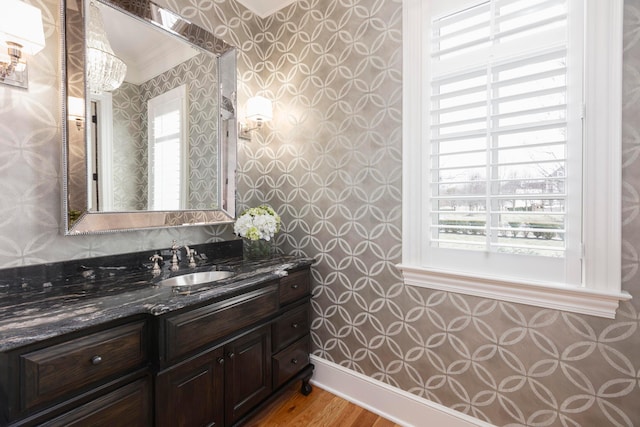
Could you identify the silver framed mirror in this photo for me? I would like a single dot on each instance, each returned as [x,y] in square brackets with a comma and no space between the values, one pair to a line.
[150,134]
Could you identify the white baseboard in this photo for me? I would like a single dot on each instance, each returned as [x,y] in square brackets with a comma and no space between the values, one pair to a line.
[387,401]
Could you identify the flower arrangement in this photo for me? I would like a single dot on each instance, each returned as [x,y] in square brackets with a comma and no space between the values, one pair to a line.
[259,223]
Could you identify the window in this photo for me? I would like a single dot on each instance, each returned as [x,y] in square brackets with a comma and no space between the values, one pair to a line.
[508,176]
[168,150]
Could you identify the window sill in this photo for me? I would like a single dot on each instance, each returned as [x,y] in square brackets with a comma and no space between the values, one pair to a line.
[557,297]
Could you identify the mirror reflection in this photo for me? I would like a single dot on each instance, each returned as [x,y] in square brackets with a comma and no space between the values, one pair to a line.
[154,137]
[160,125]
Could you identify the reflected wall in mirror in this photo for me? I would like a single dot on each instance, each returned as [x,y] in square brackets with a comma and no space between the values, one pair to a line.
[157,146]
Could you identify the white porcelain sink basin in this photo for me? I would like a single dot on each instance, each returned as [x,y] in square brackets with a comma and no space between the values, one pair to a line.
[196,278]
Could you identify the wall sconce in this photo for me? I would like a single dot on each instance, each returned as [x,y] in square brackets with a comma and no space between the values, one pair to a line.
[259,111]
[21,32]
[75,110]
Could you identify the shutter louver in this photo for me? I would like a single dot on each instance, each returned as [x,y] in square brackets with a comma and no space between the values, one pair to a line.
[498,129]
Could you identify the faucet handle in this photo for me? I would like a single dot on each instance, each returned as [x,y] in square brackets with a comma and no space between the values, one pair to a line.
[155,258]
[191,255]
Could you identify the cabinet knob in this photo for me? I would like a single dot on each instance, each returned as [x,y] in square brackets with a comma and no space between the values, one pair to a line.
[295,286]
[96,360]
[230,355]
[220,360]
[295,325]
[294,361]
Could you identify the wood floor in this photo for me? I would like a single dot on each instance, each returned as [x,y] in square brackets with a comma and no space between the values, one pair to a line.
[319,409]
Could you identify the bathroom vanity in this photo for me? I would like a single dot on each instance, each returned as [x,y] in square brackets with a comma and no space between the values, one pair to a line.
[76,352]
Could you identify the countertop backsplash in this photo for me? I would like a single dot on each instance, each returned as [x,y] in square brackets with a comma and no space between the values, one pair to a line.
[44,276]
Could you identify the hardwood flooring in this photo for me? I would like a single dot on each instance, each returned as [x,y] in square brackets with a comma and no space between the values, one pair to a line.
[319,409]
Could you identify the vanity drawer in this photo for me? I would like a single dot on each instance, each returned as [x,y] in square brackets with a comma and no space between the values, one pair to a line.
[64,368]
[197,328]
[127,406]
[290,361]
[290,327]
[295,286]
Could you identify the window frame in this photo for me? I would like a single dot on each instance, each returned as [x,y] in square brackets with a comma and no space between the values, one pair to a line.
[179,96]
[600,292]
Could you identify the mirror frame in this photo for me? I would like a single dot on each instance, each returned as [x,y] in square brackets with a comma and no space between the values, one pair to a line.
[75,84]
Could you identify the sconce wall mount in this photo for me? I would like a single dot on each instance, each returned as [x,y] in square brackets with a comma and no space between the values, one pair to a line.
[259,110]
[21,32]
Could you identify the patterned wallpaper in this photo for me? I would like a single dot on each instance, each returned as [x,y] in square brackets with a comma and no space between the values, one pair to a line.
[330,163]
[129,164]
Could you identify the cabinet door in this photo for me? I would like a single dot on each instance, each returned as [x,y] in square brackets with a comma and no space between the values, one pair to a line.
[190,394]
[248,372]
[128,406]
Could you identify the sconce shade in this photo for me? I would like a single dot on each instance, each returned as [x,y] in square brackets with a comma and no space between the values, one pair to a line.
[21,23]
[259,109]
[75,107]
[105,71]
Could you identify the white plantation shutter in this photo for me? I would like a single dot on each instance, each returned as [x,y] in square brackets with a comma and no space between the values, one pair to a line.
[511,151]
[504,132]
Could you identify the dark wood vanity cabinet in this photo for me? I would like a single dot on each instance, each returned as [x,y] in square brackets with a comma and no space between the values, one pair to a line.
[219,362]
[210,365]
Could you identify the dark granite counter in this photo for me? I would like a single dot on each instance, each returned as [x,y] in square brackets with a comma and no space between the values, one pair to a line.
[59,299]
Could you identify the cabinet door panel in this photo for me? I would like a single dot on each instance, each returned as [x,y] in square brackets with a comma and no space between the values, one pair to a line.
[190,394]
[248,374]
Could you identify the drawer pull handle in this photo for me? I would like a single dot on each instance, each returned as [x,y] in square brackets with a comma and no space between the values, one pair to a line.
[96,360]
[220,360]
[295,325]
[294,361]
[295,286]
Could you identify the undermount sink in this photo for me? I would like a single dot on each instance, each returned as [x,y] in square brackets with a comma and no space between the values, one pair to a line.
[199,278]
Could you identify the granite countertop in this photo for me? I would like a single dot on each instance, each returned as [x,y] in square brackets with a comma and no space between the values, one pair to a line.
[35,311]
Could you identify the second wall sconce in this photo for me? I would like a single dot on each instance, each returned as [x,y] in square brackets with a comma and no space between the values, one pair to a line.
[75,111]
[259,111]
[21,32]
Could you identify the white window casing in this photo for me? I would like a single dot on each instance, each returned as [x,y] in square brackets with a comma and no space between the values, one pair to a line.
[168,150]
[465,250]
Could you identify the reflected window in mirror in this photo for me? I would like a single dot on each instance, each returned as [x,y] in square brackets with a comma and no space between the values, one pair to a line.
[168,150]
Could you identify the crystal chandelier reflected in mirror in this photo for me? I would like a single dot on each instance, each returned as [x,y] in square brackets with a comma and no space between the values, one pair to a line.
[105,71]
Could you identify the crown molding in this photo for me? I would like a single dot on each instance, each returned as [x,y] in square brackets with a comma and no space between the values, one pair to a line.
[264,8]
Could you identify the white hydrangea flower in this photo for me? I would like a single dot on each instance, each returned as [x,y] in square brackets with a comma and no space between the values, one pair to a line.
[261,222]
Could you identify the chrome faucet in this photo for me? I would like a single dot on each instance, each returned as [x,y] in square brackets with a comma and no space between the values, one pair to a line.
[191,256]
[174,258]
[156,271]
